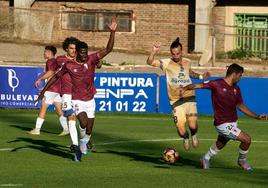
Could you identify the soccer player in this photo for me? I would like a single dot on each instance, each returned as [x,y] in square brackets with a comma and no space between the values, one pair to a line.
[82,72]
[52,96]
[179,73]
[226,97]
[65,83]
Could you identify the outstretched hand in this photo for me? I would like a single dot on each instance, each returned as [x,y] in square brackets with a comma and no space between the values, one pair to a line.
[36,83]
[156,47]
[263,117]
[206,75]
[181,90]
[113,25]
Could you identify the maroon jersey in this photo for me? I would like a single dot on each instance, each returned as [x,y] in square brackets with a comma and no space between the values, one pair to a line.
[51,64]
[82,76]
[65,79]
[225,98]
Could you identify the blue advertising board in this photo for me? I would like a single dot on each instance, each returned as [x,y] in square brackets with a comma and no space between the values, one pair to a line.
[255,93]
[125,92]
[17,87]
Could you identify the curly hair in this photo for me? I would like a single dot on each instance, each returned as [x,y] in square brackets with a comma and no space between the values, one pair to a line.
[68,41]
[80,45]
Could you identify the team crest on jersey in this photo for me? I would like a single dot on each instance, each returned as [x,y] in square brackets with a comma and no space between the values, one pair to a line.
[85,65]
[181,76]
[224,89]
[75,70]
[235,91]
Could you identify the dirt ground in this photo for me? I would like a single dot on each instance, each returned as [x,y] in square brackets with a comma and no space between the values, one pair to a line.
[21,54]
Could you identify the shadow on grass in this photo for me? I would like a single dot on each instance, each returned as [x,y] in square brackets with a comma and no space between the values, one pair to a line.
[26,129]
[43,146]
[156,160]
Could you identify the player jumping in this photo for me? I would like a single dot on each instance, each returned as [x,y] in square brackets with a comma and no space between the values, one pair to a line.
[179,73]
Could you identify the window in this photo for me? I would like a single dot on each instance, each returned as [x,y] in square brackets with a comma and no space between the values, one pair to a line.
[96,20]
[252,33]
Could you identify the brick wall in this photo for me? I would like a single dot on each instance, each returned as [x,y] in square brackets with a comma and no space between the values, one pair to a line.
[4,19]
[153,22]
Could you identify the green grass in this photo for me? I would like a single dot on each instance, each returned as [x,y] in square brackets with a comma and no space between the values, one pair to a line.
[45,160]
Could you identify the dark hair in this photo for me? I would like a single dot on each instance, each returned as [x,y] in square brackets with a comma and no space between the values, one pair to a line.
[51,48]
[68,41]
[80,45]
[176,43]
[234,68]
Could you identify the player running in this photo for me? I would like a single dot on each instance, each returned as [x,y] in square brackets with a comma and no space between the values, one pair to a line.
[82,72]
[179,73]
[65,85]
[226,97]
[52,96]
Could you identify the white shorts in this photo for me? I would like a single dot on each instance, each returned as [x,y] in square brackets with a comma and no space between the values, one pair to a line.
[228,130]
[85,106]
[51,97]
[66,102]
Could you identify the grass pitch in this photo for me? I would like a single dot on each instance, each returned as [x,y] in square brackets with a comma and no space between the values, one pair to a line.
[127,153]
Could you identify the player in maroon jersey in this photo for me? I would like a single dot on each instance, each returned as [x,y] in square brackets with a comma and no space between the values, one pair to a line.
[65,85]
[82,72]
[226,97]
[52,96]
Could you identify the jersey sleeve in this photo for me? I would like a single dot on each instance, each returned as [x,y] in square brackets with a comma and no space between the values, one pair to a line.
[63,69]
[209,84]
[51,64]
[93,58]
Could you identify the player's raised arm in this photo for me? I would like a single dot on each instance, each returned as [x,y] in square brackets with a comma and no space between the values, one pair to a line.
[151,60]
[110,44]
[243,108]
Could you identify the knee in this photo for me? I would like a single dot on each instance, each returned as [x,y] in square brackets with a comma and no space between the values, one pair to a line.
[71,118]
[182,132]
[220,145]
[248,140]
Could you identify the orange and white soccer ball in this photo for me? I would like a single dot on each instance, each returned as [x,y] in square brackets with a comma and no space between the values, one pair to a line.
[170,155]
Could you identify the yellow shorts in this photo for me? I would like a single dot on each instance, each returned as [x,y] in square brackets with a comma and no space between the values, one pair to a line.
[186,110]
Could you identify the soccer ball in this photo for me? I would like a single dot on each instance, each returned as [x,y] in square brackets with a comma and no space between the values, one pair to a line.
[170,155]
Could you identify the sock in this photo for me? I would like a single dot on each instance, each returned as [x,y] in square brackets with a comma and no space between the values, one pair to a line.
[185,136]
[193,131]
[86,138]
[63,122]
[213,150]
[39,123]
[194,136]
[242,154]
[82,132]
[73,132]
